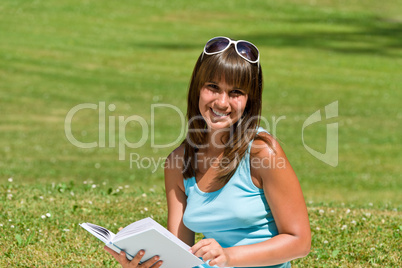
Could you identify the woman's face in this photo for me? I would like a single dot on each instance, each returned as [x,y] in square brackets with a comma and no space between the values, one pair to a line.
[221,105]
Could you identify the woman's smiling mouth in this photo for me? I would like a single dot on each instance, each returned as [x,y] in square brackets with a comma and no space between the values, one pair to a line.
[216,113]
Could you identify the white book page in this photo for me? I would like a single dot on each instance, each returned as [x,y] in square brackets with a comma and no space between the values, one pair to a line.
[147,224]
[99,232]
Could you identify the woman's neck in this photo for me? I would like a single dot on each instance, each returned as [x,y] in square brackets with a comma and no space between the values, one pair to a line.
[217,140]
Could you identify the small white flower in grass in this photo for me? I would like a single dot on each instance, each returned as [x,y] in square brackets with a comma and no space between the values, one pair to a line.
[93,186]
[10,179]
[117,190]
[28,230]
[310,202]
[144,195]
[152,190]
[321,211]
[12,226]
[126,186]
[347,211]
[372,249]
[48,215]
[121,187]
[368,214]
[40,231]
[332,211]
[90,202]
[41,197]
[104,183]
[353,222]
[325,242]
[43,217]
[142,212]
[9,220]
[344,227]
[66,230]
[382,221]
[85,182]
[72,193]
[51,199]
[363,218]
[1,225]
[317,228]
[146,209]
[9,196]
[370,204]
[8,191]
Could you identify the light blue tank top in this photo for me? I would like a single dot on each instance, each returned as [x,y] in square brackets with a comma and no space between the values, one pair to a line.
[237,214]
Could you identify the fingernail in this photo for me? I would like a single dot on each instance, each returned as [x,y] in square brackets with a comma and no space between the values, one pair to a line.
[190,250]
[141,252]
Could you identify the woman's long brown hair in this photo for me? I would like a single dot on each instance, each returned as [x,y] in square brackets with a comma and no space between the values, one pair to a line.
[239,73]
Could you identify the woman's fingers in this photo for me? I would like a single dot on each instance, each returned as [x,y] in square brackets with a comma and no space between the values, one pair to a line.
[199,248]
[153,262]
[209,249]
[122,259]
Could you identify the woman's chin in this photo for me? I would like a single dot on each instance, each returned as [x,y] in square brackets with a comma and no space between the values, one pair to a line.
[218,125]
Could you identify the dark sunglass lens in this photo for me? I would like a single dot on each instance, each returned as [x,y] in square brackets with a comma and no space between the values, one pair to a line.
[216,45]
[247,50]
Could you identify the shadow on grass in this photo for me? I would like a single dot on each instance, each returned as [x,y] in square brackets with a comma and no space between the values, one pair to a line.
[355,36]
[365,35]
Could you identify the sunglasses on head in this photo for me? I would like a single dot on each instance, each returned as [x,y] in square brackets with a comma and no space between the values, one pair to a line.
[244,49]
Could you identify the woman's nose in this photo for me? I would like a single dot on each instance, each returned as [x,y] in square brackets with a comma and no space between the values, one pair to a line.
[223,100]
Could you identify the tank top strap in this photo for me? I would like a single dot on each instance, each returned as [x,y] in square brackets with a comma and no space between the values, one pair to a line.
[259,130]
[188,183]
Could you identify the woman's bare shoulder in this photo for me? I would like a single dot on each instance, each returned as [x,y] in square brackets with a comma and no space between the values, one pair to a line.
[176,157]
[265,145]
[174,167]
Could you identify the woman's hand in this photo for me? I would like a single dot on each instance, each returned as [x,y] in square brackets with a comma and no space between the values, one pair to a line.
[153,262]
[210,250]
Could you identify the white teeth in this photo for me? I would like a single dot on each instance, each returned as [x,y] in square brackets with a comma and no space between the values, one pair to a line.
[218,113]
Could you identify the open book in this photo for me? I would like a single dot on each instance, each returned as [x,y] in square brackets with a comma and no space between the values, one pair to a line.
[150,236]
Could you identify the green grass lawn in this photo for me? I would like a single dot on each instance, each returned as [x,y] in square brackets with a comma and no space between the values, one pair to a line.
[133,55]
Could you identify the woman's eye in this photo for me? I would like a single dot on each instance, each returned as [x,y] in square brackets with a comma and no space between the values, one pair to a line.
[237,92]
[213,87]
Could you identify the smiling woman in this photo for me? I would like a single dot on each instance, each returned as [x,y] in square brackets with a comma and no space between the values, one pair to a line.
[221,182]
[252,213]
